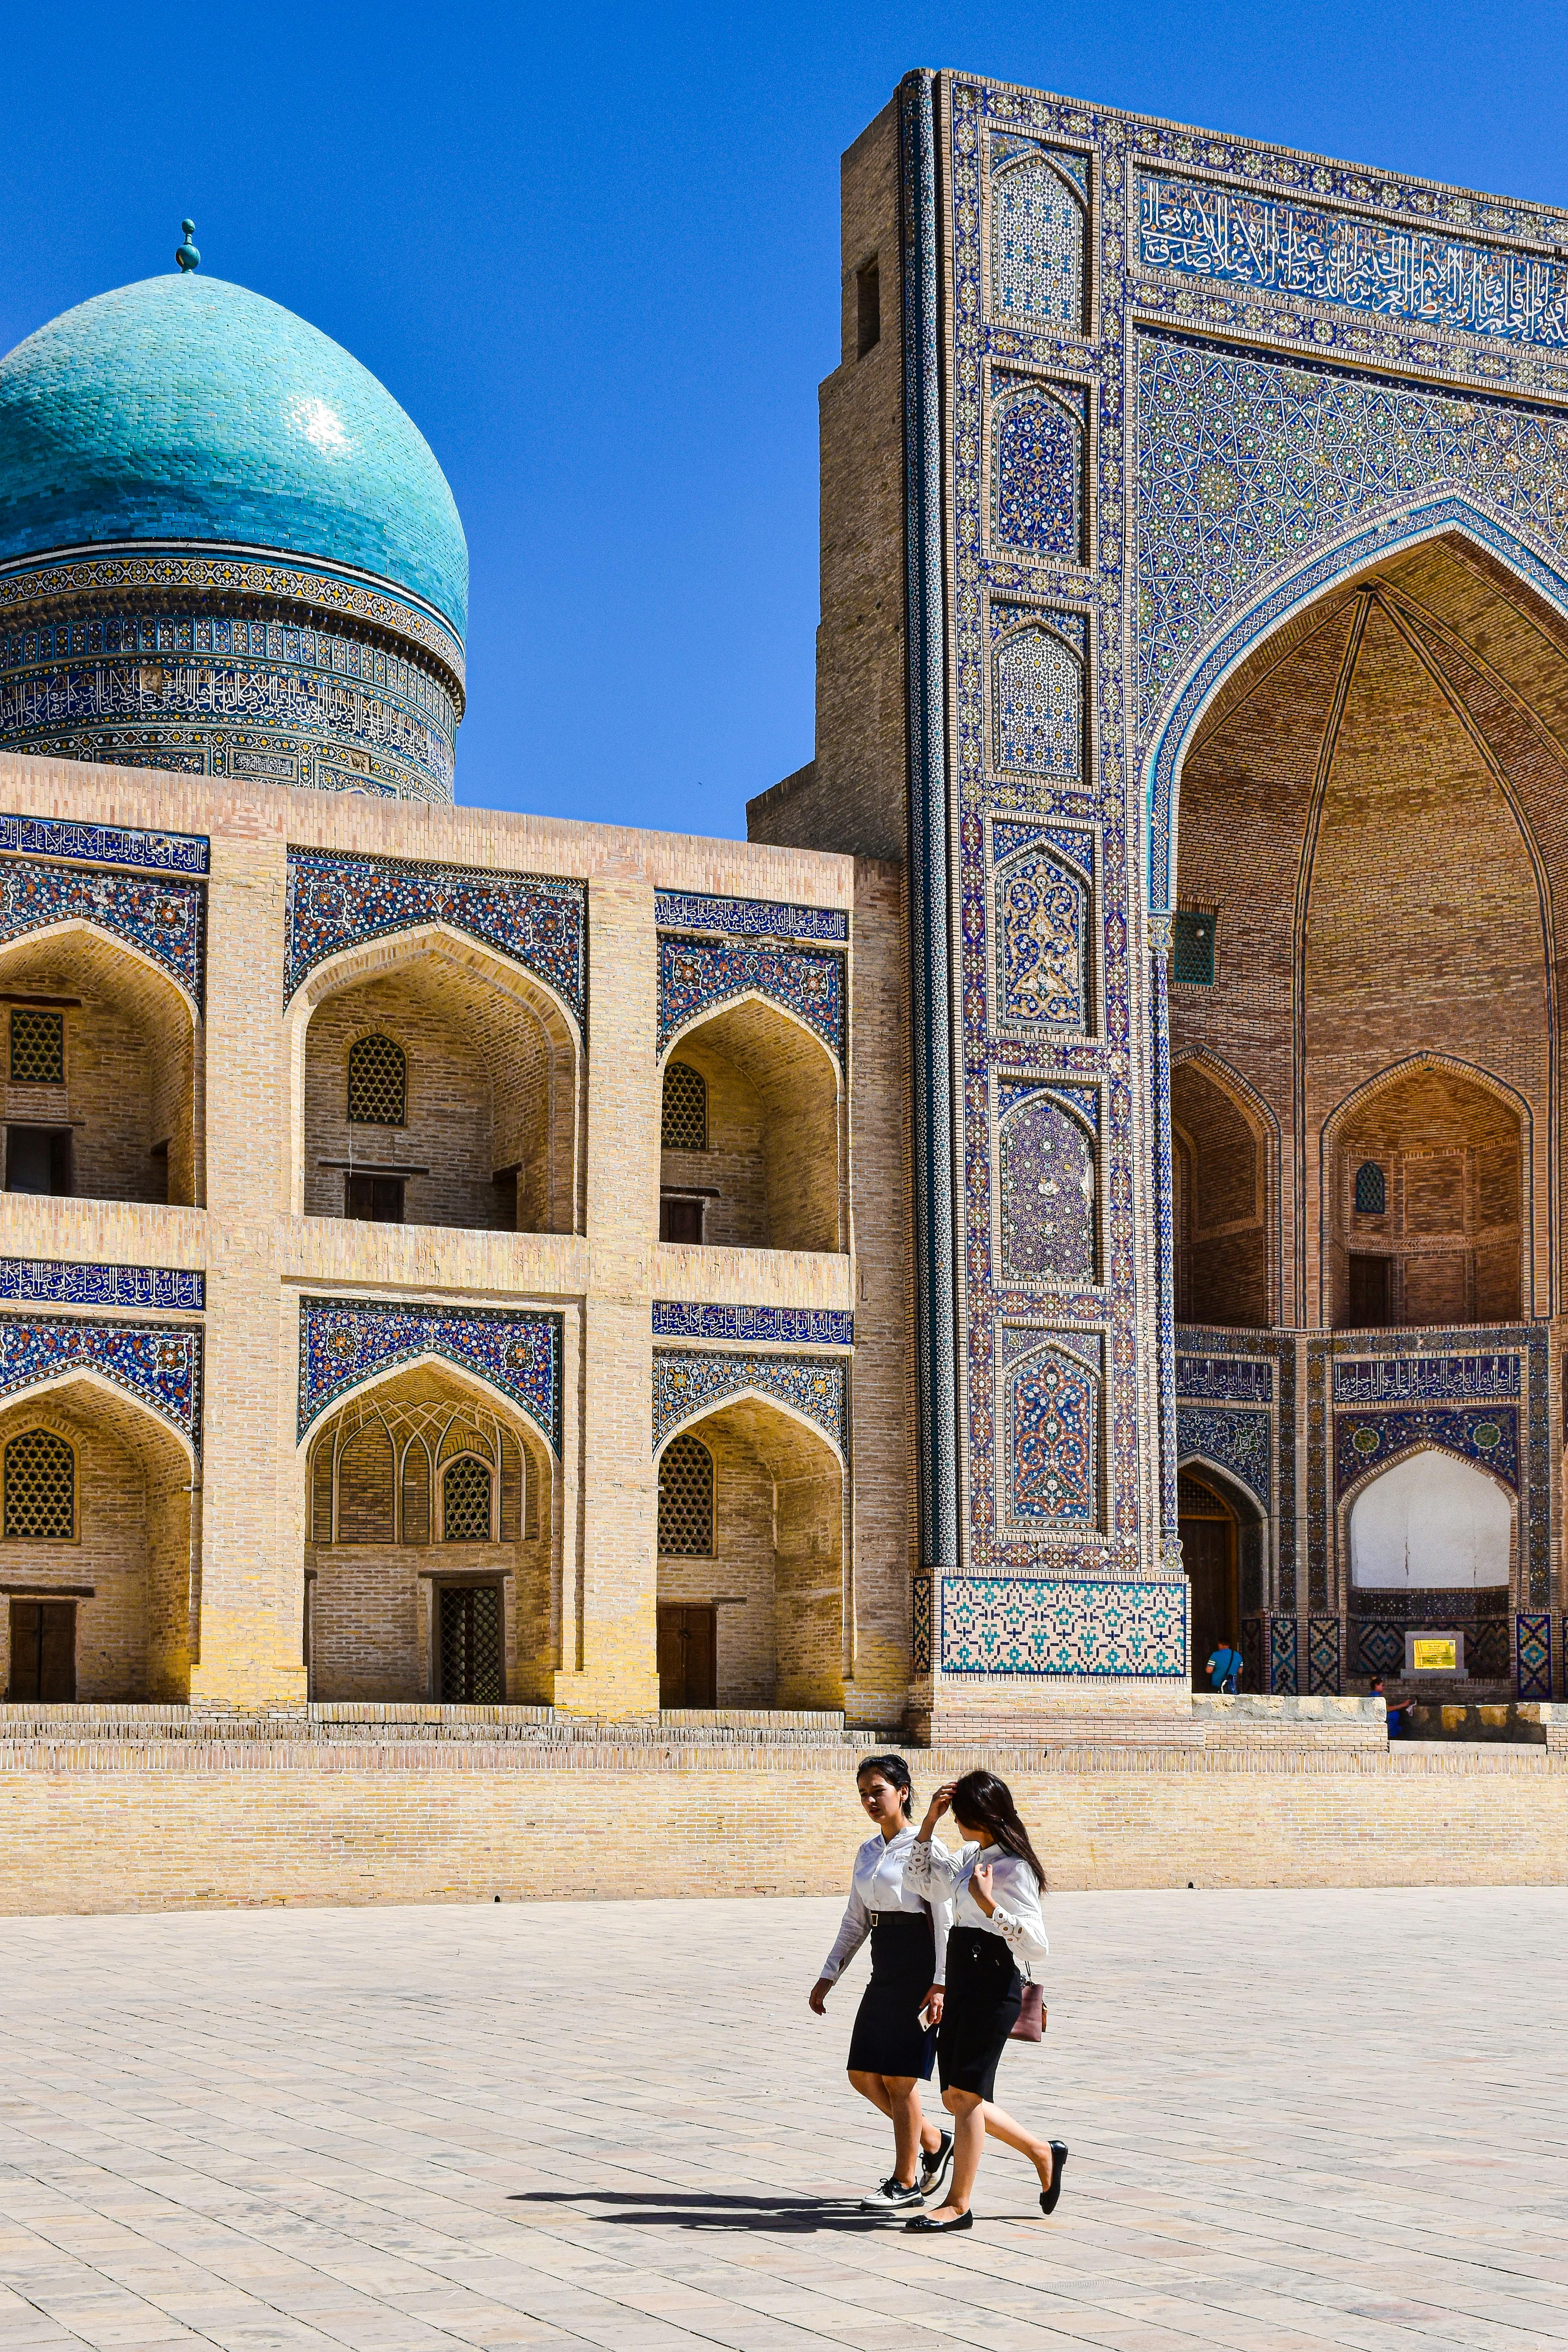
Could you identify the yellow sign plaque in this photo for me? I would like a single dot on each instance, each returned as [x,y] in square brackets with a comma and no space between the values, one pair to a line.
[1435,1657]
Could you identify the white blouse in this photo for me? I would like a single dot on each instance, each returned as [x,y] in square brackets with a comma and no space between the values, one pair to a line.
[881,1881]
[1015,1891]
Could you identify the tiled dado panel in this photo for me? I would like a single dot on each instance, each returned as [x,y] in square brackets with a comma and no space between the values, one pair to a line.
[1190,380]
[1052,1629]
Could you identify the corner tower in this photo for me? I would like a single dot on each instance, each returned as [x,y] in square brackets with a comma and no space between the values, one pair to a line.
[225,549]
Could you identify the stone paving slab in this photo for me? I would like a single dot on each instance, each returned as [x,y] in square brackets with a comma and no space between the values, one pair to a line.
[1298,2120]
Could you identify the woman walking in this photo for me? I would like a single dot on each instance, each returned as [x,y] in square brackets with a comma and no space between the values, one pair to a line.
[892,2048]
[994,1885]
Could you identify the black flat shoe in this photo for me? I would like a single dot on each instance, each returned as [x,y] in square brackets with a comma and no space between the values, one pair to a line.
[1048,2196]
[929,2222]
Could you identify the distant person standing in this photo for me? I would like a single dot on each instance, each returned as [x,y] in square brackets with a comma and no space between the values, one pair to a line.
[994,1885]
[1225,1669]
[892,2050]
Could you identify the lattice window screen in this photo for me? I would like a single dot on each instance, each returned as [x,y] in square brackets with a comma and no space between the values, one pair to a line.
[1196,1500]
[378,1083]
[466,1501]
[1192,948]
[38,1047]
[685,1126]
[1371,1189]
[40,1489]
[686,1500]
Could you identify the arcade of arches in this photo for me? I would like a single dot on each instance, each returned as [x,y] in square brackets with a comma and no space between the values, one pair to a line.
[1366,1106]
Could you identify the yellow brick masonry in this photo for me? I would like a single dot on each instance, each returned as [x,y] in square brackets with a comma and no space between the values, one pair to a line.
[260,1257]
[151,1823]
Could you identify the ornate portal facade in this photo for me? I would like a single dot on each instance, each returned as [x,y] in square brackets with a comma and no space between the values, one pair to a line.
[1080,1185]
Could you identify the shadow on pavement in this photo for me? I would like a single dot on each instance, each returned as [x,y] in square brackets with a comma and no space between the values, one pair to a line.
[701,2210]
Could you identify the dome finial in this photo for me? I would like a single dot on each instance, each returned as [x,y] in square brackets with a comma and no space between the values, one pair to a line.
[186,254]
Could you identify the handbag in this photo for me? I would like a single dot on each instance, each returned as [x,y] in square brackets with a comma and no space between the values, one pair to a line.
[1030,2022]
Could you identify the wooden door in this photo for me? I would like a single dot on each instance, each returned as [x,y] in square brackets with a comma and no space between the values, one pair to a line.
[43,1650]
[688,1653]
[1207,1527]
[470,1646]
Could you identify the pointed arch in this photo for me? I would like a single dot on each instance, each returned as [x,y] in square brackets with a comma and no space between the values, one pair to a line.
[1226,1195]
[774,1172]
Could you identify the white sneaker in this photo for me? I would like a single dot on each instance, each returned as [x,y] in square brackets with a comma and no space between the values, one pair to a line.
[893,2197]
[934,2166]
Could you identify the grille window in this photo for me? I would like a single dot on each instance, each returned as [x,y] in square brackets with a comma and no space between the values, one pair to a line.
[378,1083]
[1192,957]
[1371,1189]
[466,1501]
[38,1047]
[40,1489]
[685,1125]
[686,1500]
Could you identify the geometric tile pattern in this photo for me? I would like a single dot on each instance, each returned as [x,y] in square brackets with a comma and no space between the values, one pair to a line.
[919,1625]
[1322,1655]
[1237,238]
[343,1342]
[692,911]
[1533,1650]
[1066,1628]
[694,974]
[686,1381]
[338,901]
[815,1327]
[164,917]
[104,844]
[1284,1670]
[1037,242]
[1379,1647]
[158,1363]
[1038,698]
[59,1281]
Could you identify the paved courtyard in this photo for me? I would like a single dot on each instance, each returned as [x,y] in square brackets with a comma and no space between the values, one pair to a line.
[1296,2120]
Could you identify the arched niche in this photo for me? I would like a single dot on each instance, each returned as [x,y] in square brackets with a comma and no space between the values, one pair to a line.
[121,1120]
[772,1174]
[1223,1556]
[1221,1154]
[491,1132]
[1431,1523]
[1423,1202]
[128,1579]
[423,1485]
[765,1602]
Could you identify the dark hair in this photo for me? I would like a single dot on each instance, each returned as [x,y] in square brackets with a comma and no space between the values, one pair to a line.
[893,1769]
[987,1802]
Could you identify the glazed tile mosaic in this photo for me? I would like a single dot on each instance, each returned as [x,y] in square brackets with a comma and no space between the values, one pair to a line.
[1364,1441]
[686,1381]
[57,1282]
[1036,236]
[337,901]
[159,1364]
[696,976]
[819,1326]
[345,1342]
[1047,1190]
[1532,1635]
[1078,1629]
[1051,1411]
[1042,922]
[164,919]
[1037,486]
[1037,695]
[104,844]
[1232,1440]
[690,910]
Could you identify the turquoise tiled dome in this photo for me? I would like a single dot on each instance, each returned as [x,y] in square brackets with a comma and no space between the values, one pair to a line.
[185,409]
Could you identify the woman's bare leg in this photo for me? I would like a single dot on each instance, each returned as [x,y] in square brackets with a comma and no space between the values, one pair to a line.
[967,2110]
[1001,2125]
[899,2096]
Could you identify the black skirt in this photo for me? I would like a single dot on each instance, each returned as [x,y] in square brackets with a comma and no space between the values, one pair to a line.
[888,2038]
[984,1994]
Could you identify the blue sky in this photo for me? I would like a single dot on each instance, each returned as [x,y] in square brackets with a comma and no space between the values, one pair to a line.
[594,253]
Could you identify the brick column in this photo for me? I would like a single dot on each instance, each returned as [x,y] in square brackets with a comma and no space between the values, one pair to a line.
[609,1649]
[251,1565]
